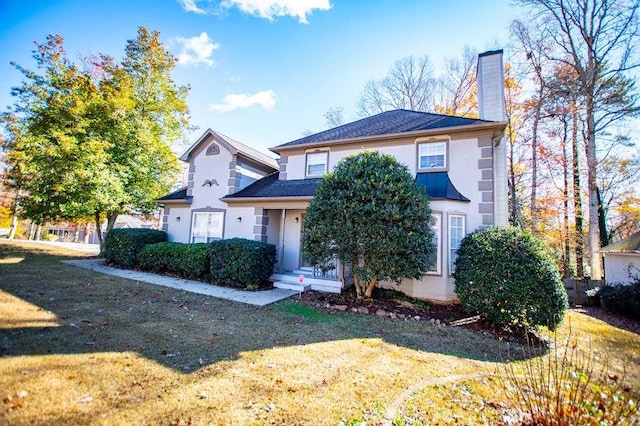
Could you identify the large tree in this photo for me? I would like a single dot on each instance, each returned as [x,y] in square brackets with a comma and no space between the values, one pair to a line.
[370,214]
[95,140]
[409,84]
[597,39]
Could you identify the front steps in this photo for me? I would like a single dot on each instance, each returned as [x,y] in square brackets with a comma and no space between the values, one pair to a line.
[289,281]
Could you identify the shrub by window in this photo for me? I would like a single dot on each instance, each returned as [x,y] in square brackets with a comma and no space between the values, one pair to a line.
[507,276]
[622,299]
[185,260]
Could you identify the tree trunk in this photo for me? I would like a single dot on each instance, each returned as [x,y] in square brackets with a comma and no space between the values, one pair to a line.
[370,286]
[577,198]
[534,162]
[14,219]
[592,163]
[356,283]
[565,195]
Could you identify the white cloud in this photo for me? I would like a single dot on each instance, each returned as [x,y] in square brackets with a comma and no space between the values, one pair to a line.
[191,6]
[196,50]
[267,9]
[265,98]
[270,9]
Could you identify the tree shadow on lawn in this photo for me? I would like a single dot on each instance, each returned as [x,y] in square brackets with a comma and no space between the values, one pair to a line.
[185,331]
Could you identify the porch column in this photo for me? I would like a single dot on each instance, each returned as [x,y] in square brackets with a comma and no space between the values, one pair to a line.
[282,221]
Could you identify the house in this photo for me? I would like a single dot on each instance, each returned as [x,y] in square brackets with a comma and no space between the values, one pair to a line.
[218,166]
[460,161]
[622,260]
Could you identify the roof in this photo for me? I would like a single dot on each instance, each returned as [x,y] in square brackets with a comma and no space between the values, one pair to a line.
[386,123]
[439,186]
[179,195]
[631,244]
[272,187]
[239,147]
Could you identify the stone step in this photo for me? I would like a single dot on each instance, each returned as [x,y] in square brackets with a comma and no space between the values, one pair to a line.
[288,285]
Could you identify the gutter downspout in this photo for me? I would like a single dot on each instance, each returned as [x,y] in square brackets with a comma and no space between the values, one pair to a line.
[282,222]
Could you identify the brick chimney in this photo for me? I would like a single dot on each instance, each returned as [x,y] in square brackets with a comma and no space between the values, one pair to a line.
[491,105]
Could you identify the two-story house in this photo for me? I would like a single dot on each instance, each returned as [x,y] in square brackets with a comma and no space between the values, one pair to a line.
[461,162]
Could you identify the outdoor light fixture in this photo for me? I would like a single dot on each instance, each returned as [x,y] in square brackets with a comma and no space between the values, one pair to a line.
[177,218]
[239,219]
[296,220]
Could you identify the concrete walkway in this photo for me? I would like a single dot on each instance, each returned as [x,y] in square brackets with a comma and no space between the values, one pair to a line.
[258,298]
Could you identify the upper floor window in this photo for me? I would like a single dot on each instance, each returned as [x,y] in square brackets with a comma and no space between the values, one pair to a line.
[317,163]
[432,155]
[213,149]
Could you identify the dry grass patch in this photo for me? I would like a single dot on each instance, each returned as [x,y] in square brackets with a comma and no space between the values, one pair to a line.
[83,348]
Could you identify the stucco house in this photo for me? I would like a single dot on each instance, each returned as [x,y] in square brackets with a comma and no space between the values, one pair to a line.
[622,260]
[460,161]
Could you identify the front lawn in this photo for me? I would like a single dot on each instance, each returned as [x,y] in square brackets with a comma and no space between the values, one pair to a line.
[79,347]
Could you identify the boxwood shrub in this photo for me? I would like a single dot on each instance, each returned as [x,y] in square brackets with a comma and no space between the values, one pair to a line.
[122,245]
[184,260]
[242,263]
[622,299]
[507,276]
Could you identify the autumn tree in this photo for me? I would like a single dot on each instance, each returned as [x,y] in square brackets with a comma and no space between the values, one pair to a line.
[456,88]
[371,215]
[96,139]
[597,39]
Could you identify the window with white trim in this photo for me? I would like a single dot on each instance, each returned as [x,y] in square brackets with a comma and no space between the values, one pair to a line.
[206,226]
[317,163]
[432,155]
[456,234]
[434,258]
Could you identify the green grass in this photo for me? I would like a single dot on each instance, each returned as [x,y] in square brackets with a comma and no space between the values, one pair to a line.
[77,347]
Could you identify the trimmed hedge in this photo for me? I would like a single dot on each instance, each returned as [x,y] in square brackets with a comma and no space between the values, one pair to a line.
[185,260]
[507,276]
[622,299]
[122,245]
[242,263]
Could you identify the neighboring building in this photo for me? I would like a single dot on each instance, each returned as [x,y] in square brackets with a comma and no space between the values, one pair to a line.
[622,260]
[460,161]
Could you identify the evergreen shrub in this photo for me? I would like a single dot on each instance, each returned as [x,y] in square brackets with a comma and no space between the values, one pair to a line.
[123,245]
[622,299]
[242,263]
[507,276]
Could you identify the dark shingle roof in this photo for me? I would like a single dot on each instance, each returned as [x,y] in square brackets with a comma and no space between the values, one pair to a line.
[180,194]
[631,244]
[271,186]
[386,123]
[439,186]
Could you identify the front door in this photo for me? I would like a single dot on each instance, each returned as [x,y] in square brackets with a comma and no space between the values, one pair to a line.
[304,265]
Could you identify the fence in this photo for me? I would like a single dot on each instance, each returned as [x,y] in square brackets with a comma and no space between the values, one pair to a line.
[576,288]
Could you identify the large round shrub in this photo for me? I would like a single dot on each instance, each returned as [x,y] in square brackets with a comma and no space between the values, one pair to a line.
[507,276]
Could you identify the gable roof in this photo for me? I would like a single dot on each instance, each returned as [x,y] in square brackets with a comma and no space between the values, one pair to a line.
[387,123]
[236,147]
[631,244]
[179,195]
[271,187]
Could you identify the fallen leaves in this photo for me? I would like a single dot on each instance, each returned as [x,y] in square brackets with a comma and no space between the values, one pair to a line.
[14,402]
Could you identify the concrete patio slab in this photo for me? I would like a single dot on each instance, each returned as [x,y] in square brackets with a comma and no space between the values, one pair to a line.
[258,298]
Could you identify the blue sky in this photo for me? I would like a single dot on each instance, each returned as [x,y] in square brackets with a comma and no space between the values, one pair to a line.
[260,71]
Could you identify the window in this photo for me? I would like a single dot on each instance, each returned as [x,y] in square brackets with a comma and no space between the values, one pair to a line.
[437,244]
[432,155]
[206,226]
[456,234]
[317,163]
[213,149]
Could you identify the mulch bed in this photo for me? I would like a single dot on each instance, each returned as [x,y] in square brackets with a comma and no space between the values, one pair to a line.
[451,315]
